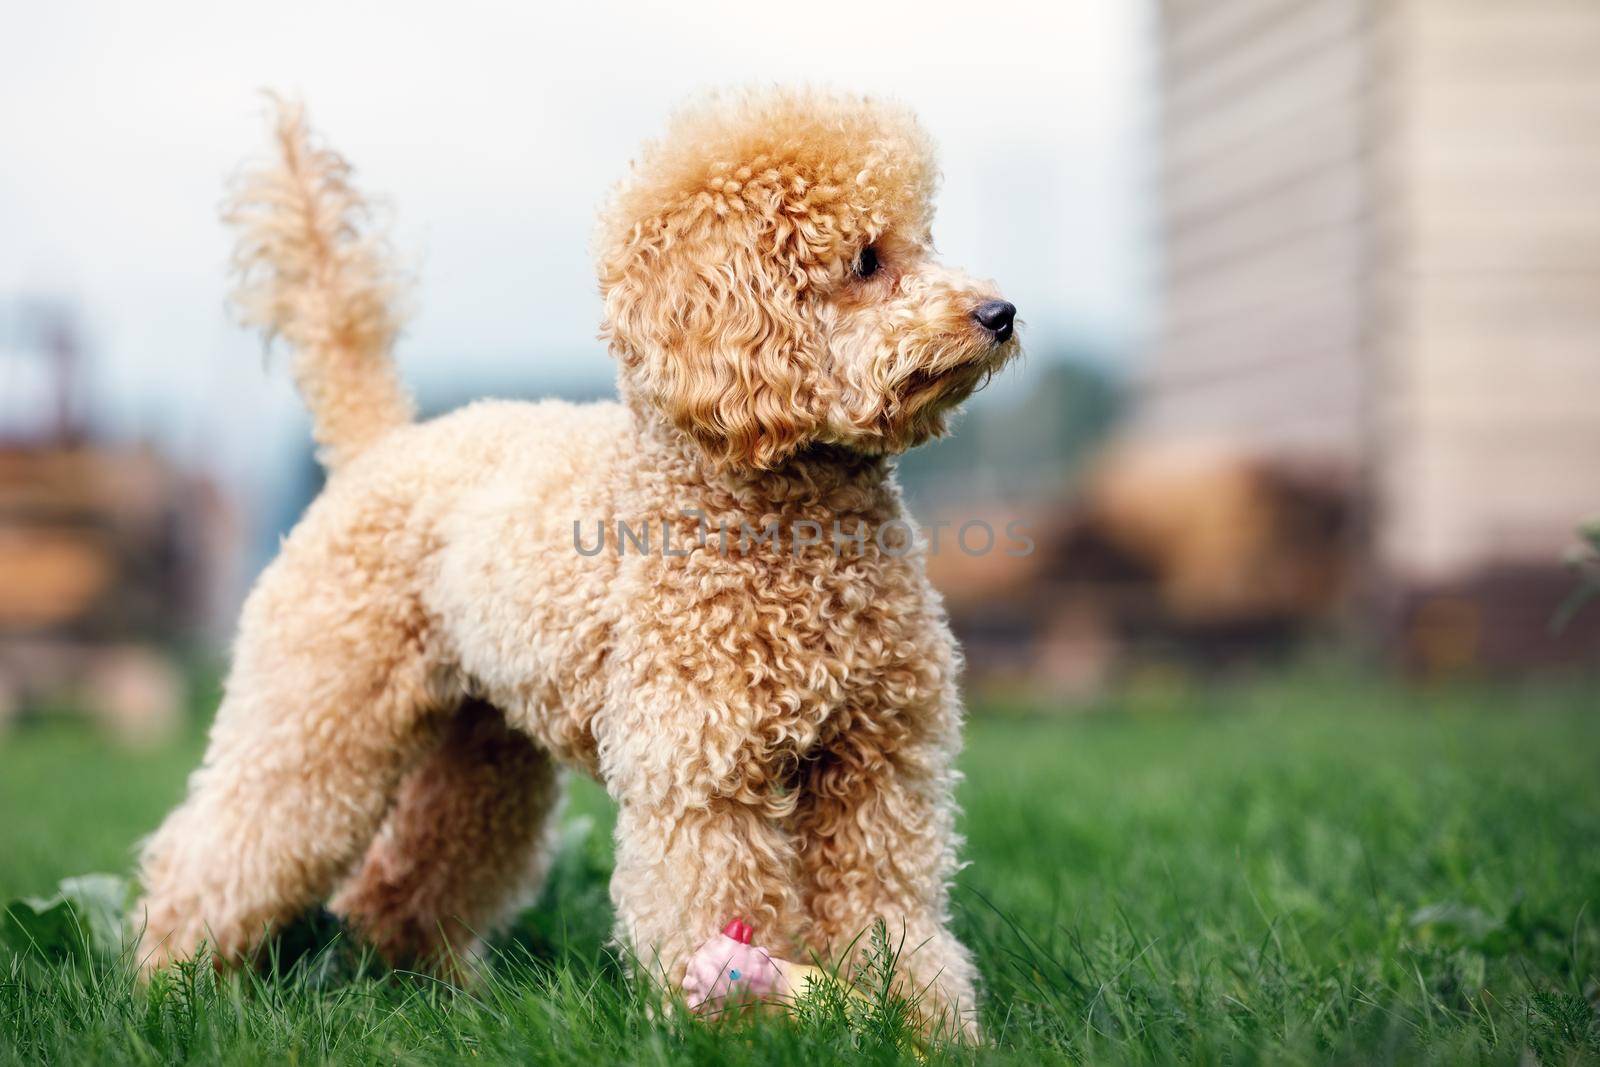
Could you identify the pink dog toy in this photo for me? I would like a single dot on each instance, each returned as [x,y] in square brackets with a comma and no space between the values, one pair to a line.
[728,967]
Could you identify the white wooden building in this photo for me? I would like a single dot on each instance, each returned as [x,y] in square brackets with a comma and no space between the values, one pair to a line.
[1381,245]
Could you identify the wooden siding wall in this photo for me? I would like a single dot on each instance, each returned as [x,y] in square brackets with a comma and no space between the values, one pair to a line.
[1381,245]
[1489,335]
[1264,188]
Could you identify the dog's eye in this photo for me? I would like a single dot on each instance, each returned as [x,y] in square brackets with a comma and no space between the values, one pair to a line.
[867,263]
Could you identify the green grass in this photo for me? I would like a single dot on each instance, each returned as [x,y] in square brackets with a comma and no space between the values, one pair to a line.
[1303,869]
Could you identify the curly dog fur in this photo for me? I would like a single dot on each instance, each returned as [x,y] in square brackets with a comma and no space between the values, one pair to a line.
[428,650]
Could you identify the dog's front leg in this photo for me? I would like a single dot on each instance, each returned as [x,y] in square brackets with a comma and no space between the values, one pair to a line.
[875,827]
[683,872]
[701,835]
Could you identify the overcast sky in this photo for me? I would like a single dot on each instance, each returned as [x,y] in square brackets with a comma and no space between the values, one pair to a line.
[495,131]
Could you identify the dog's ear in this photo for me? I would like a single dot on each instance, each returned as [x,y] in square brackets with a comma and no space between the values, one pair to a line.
[705,315]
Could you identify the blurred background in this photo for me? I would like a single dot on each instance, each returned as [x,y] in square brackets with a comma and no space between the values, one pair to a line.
[1311,292]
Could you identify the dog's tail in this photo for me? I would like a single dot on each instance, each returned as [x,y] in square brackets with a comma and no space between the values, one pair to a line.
[311,271]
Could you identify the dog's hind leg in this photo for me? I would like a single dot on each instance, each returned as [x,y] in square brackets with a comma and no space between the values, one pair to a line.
[465,847]
[331,698]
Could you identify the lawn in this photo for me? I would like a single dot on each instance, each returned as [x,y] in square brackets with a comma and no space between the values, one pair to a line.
[1306,868]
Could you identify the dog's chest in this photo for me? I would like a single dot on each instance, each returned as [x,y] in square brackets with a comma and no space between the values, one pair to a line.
[786,639]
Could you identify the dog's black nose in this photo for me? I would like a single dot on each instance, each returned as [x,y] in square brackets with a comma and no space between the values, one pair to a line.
[996,317]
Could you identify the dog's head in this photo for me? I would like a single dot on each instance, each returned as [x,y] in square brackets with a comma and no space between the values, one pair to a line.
[770,281]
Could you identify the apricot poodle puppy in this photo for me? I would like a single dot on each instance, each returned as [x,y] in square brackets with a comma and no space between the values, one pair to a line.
[775,718]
